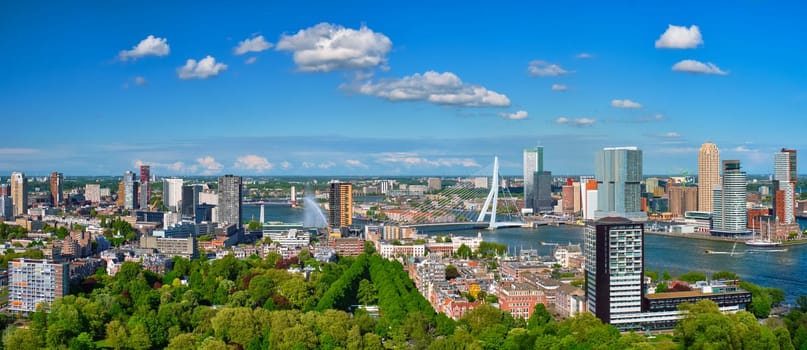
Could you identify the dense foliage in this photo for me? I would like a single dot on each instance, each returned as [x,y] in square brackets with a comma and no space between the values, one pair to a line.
[257,304]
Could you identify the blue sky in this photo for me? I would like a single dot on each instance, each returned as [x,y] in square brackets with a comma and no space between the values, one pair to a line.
[375,88]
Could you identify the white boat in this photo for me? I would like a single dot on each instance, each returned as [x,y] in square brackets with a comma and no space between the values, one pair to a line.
[762,242]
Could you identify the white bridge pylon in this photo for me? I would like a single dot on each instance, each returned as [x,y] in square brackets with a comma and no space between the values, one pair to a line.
[492,201]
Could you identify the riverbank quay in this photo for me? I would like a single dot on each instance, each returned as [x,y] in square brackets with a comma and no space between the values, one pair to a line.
[706,237]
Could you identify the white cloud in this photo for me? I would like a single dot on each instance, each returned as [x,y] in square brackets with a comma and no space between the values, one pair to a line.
[545,69]
[140,81]
[209,165]
[285,165]
[625,104]
[579,122]
[584,55]
[559,87]
[692,66]
[205,68]
[150,46]
[327,47]
[514,116]
[326,165]
[353,163]
[671,134]
[256,44]
[410,159]
[253,162]
[439,88]
[308,165]
[680,37]
[250,60]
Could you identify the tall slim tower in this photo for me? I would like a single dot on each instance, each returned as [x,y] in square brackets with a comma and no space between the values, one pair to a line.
[56,188]
[230,199]
[708,175]
[618,171]
[340,204]
[172,193]
[145,186]
[533,162]
[730,215]
[130,192]
[19,193]
[614,249]
[784,186]
[190,200]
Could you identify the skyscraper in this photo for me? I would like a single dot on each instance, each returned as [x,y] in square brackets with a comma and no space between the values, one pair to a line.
[542,192]
[682,199]
[533,162]
[729,214]
[784,186]
[19,193]
[6,207]
[230,200]
[614,249]
[56,188]
[618,171]
[172,193]
[708,175]
[130,187]
[145,186]
[340,204]
[190,200]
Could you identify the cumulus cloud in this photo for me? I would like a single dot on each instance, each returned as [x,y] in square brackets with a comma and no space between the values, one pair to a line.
[625,104]
[150,46]
[579,122]
[680,37]
[410,159]
[140,81]
[308,165]
[285,165]
[256,44]
[514,116]
[327,47]
[326,165]
[584,55]
[439,88]
[250,60]
[545,69]
[205,68]
[671,134]
[253,162]
[209,165]
[696,67]
[353,163]
[559,87]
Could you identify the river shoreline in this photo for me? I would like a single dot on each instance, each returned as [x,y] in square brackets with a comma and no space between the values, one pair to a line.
[707,237]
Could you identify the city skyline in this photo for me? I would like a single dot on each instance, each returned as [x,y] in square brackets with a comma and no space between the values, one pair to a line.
[321,89]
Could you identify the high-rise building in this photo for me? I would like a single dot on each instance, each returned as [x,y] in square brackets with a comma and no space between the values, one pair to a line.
[19,193]
[614,268]
[589,195]
[533,163]
[121,191]
[172,193]
[130,191]
[5,190]
[567,199]
[36,281]
[145,186]
[729,210]
[6,207]
[435,184]
[682,199]
[340,204]
[784,186]
[618,171]
[230,199]
[56,189]
[190,200]
[92,193]
[542,192]
[708,175]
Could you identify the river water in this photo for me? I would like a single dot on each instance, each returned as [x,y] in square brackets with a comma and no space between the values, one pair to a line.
[677,255]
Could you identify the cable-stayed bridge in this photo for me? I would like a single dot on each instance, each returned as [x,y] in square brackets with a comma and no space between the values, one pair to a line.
[464,205]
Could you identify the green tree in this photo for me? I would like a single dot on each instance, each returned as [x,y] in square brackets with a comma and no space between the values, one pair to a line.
[116,334]
[725,275]
[693,276]
[665,276]
[254,226]
[540,317]
[464,251]
[451,272]
[367,293]
[21,338]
